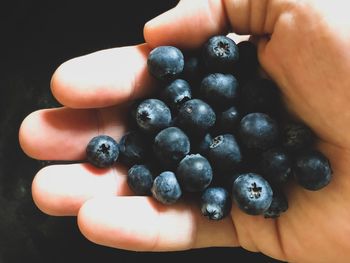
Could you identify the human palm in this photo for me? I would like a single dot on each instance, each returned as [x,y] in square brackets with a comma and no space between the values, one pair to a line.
[297,48]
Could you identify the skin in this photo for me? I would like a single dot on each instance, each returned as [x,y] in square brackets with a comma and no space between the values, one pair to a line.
[303,46]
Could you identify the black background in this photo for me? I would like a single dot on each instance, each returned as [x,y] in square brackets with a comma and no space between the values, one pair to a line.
[36,37]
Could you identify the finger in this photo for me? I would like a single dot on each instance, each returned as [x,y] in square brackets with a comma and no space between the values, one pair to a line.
[143,224]
[103,78]
[192,22]
[62,189]
[63,133]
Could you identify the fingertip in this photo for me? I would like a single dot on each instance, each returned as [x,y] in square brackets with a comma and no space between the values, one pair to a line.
[22,135]
[42,195]
[57,134]
[28,134]
[78,80]
[103,78]
[116,222]
[83,221]
[62,189]
[59,84]
[89,225]
[153,27]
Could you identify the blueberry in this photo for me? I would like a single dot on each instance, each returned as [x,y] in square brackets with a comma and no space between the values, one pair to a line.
[176,93]
[166,188]
[220,54]
[228,120]
[170,146]
[140,179]
[312,170]
[278,205]
[219,90]
[260,95]
[258,131]
[152,115]
[196,116]
[252,193]
[215,203]
[194,173]
[102,151]
[165,62]
[134,147]
[296,136]
[224,153]
[276,165]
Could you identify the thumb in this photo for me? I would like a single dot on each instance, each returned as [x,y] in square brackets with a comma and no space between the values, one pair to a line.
[192,22]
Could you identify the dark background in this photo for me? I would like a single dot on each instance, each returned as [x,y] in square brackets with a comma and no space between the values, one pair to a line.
[35,38]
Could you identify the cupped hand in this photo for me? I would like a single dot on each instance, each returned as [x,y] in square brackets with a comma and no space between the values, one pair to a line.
[302,45]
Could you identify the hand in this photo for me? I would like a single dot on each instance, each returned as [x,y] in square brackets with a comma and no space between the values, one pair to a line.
[302,46]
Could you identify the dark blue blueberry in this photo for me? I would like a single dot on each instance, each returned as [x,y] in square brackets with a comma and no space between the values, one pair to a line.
[312,170]
[134,147]
[196,117]
[252,193]
[166,188]
[215,203]
[176,93]
[170,146]
[219,90]
[260,95]
[296,136]
[165,62]
[194,173]
[102,151]
[224,153]
[258,131]
[278,205]
[228,120]
[140,179]
[220,54]
[276,165]
[152,115]
[248,63]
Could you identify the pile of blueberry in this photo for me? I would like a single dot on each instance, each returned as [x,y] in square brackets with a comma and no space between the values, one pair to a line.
[215,131]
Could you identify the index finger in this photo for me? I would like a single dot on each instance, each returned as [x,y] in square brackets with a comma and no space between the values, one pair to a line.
[104,78]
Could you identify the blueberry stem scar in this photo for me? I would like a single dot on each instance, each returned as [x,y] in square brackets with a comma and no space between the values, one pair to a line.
[222,49]
[104,148]
[216,141]
[255,191]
